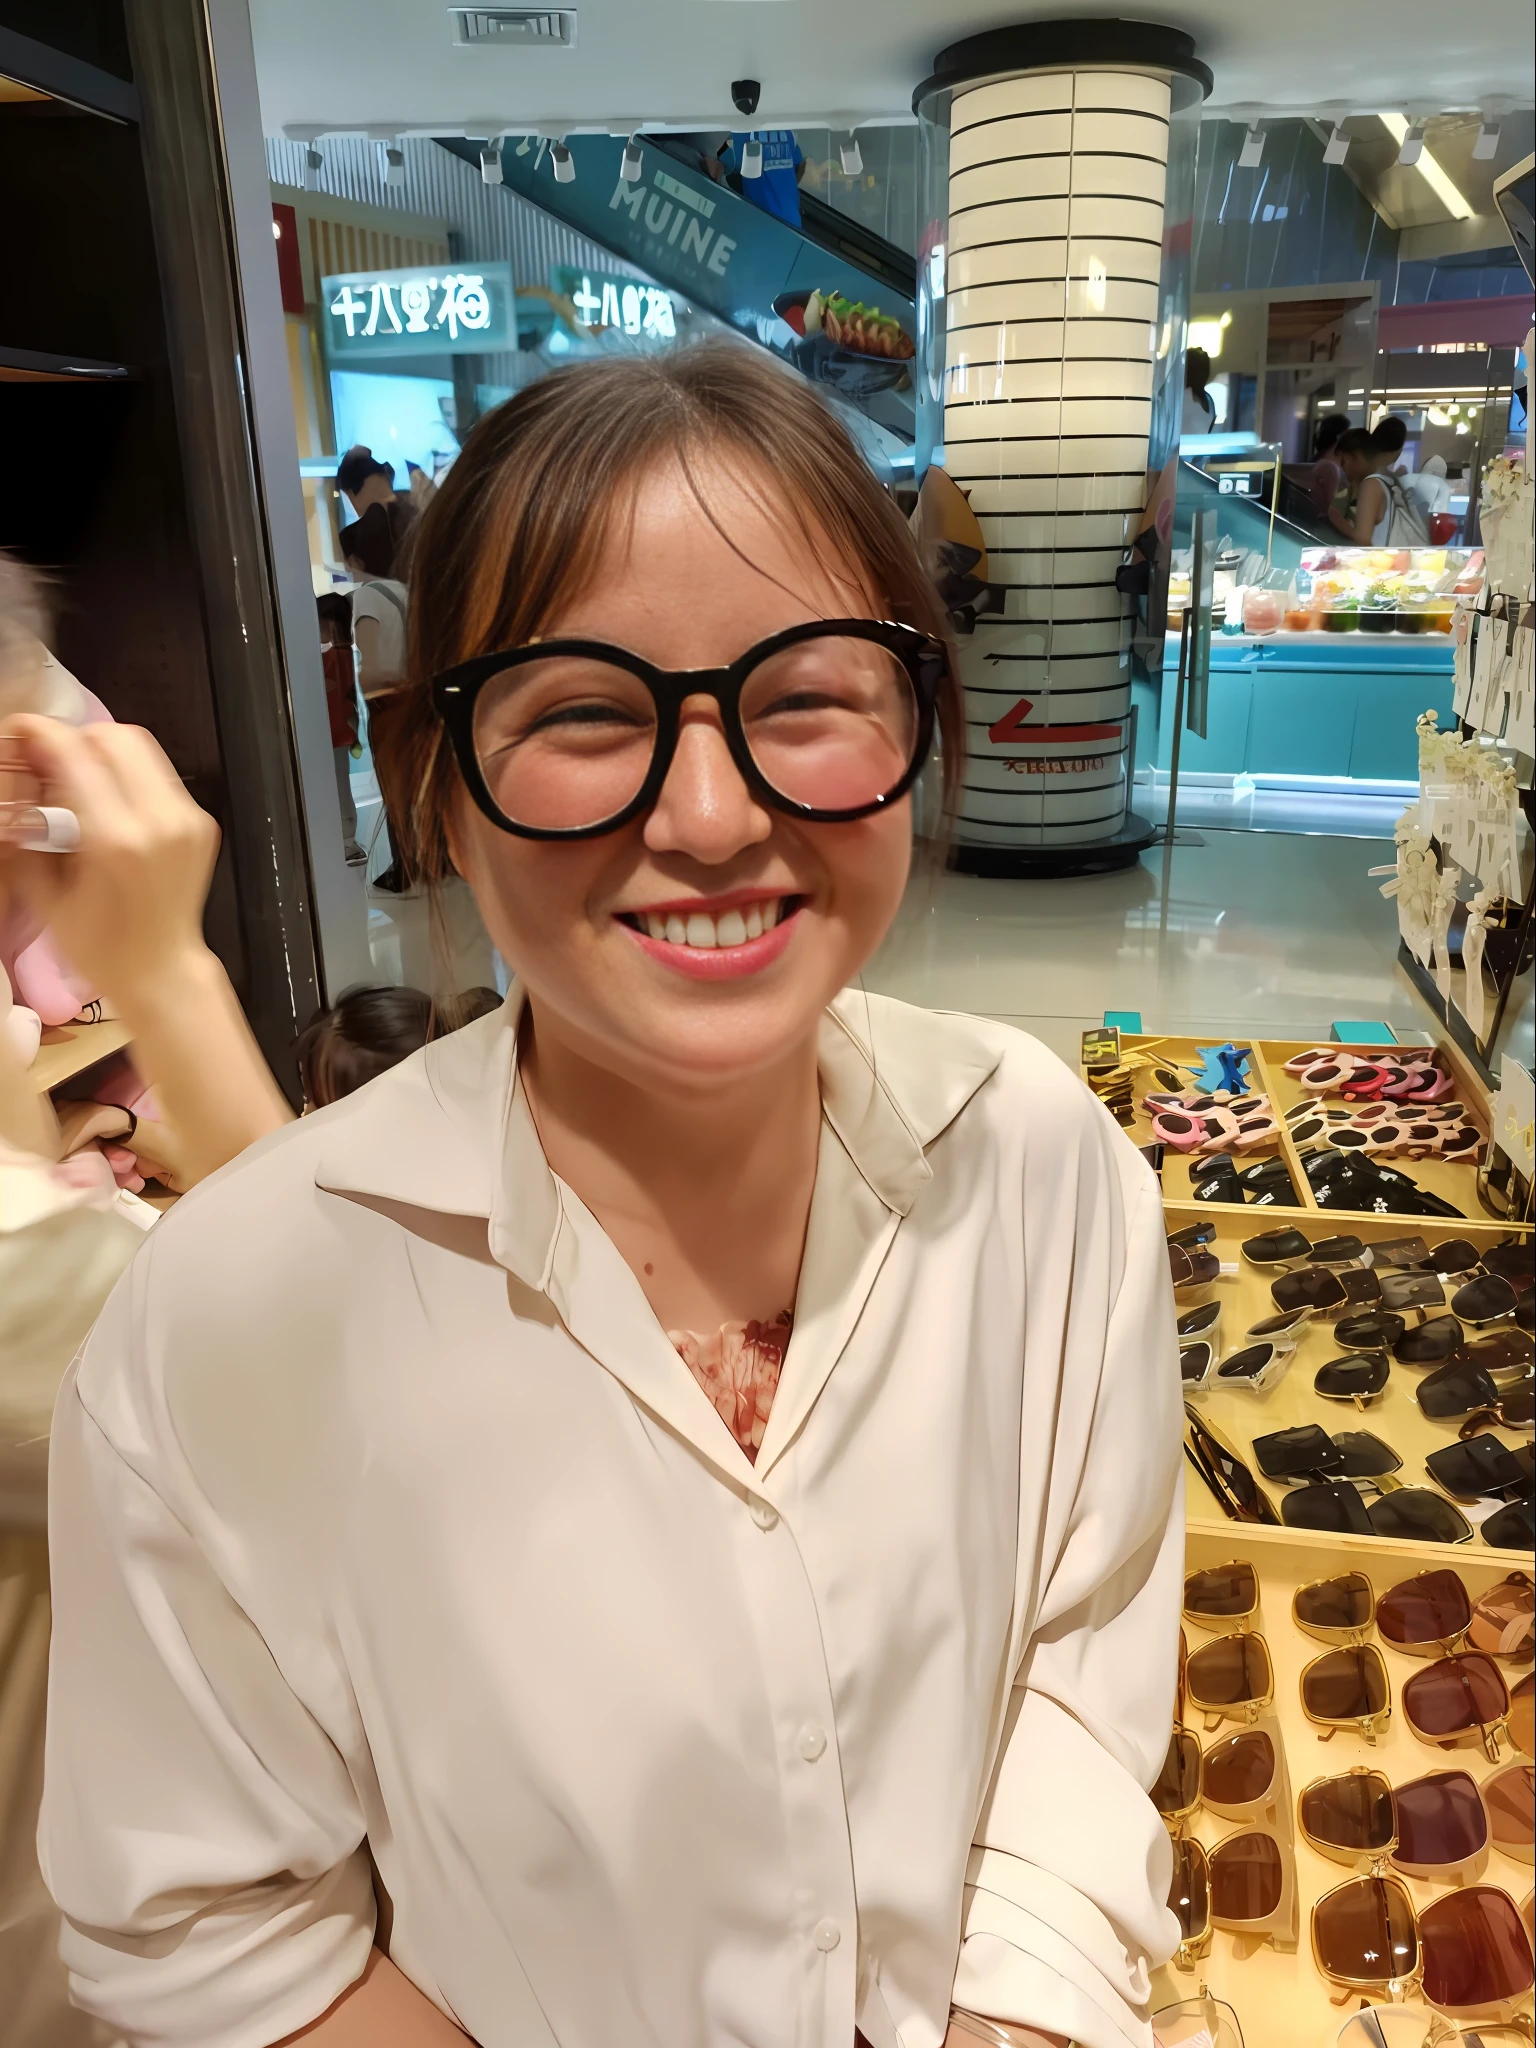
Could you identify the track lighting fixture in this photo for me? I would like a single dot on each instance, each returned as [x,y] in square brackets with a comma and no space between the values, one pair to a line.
[632,161]
[1487,143]
[490,161]
[314,164]
[1337,147]
[394,164]
[1252,152]
[752,158]
[1412,146]
[564,163]
[852,157]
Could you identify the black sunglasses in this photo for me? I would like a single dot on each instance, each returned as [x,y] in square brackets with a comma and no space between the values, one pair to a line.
[566,739]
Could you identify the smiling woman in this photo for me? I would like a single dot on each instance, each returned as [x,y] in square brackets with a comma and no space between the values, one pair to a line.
[672,1490]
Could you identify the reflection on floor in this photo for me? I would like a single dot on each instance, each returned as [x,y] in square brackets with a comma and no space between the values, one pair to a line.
[1255,932]
[1331,805]
[1264,932]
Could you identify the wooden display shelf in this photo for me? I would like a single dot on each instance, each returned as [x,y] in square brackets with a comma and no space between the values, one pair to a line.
[1454,1183]
[68,1049]
[1281,2000]
[1240,1416]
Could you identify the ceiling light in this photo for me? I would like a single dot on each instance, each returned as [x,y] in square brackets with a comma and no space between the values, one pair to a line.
[1412,144]
[564,163]
[490,161]
[314,164]
[632,161]
[1337,147]
[1427,164]
[852,157]
[1252,151]
[394,165]
[1438,416]
[1462,427]
[752,158]
[1487,143]
[1206,334]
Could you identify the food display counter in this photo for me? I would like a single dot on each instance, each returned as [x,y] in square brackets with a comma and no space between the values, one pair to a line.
[1324,671]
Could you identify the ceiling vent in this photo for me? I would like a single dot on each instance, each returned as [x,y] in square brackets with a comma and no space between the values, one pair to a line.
[514,28]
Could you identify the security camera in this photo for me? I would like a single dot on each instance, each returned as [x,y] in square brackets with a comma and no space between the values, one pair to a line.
[745,94]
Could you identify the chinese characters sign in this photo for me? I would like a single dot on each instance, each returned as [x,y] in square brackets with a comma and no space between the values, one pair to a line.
[644,312]
[459,309]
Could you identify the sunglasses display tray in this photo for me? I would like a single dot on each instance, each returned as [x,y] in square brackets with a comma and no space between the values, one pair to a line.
[1451,1180]
[1282,1999]
[1239,1415]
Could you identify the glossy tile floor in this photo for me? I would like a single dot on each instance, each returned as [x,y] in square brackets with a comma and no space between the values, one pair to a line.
[1273,934]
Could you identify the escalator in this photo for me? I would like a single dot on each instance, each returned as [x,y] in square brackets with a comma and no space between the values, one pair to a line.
[712,246]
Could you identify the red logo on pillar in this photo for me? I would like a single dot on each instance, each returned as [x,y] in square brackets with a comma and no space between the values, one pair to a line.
[1007,727]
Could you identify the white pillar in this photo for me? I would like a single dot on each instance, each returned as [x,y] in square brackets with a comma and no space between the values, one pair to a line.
[1054,324]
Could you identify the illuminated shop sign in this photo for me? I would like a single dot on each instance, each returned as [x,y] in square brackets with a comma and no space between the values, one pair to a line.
[447,310]
[633,309]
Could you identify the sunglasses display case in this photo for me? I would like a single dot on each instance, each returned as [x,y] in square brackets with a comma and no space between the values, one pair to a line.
[1266,1156]
[1268,1970]
[1282,1996]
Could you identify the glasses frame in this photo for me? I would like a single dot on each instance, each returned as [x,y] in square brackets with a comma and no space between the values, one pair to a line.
[1367,1726]
[1374,1862]
[1503,2012]
[1336,1638]
[1248,1622]
[1485,1732]
[456,692]
[1245,1713]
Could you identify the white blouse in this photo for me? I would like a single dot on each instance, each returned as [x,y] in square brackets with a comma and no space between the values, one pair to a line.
[397,1552]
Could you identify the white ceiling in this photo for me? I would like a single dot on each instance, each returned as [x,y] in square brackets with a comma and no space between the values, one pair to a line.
[350,64]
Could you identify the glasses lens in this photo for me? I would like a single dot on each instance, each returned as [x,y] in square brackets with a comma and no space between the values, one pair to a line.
[1484,1300]
[1369,1332]
[1195,1322]
[1345,1685]
[1400,1252]
[1479,1466]
[1522,1715]
[1177,1790]
[564,742]
[1456,1255]
[1364,1932]
[1454,1389]
[1238,1770]
[1476,1952]
[1511,1528]
[1415,1515]
[1333,1505]
[1360,1377]
[1510,1260]
[1510,1796]
[1501,1351]
[1250,1364]
[1455,1696]
[1194,1363]
[832,723]
[1344,1602]
[1429,1343]
[1287,1452]
[1288,1325]
[1192,1234]
[1440,1821]
[1504,1619]
[1365,1456]
[1352,1813]
[1361,1285]
[1432,1607]
[1313,1287]
[1517,1405]
[1275,1247]
[1190,1893]
[1247,1879]
[1336,1251]
[1233,1672]
[1224,1593]
[1411,1290]
[1401,2026]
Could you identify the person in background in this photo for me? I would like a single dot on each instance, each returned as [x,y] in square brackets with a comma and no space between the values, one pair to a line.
[1199,415]
[374,549]
[369,1030]
[340,667]
[1389,437]
[1383,514]
[777,190]
[1432,487]
[364,481]
[1327,479]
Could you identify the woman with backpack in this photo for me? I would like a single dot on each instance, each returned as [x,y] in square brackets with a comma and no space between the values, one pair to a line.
[1383,514]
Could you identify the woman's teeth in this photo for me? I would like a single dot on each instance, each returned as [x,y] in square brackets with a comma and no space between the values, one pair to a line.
[730,928]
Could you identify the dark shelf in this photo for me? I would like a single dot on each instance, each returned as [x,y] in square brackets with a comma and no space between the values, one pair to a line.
[35,366]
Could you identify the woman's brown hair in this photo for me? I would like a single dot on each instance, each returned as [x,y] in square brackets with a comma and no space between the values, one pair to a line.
[518,526]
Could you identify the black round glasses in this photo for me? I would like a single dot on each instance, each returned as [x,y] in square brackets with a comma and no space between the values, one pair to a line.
[566,739]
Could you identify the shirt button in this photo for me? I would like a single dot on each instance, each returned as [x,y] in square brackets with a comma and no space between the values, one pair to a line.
[764,1513]
[827,1935]
[810,1742]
